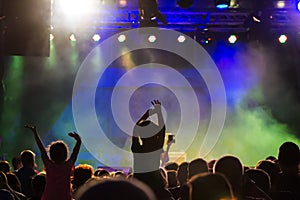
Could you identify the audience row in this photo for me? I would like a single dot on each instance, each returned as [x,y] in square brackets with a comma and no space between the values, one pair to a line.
[152,176]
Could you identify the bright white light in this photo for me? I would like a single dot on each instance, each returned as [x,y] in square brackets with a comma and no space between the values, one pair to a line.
[96,37]
[51,37]
[280,4]
[232,39]
[298,6]
[152,38]
[282,39]
[122,3]
[256,19]
[181,38]
[76,7]
[72,37]
[122,38]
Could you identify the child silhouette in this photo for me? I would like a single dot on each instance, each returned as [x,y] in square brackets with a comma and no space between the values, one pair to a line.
[58,167]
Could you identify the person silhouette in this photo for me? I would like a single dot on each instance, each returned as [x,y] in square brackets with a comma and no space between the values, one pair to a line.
[148,140]
[58,167]
[147,147]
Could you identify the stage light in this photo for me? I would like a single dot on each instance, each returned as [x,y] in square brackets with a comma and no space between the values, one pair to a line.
[298,5]
[232,39]
[76,7]
[205,40]
[122,3]
[282,39]
[51,37]
[222,4]
[181,38]
[72,37]
[208,40]
[96,37]
[122,38]
[280,4]
[152,38]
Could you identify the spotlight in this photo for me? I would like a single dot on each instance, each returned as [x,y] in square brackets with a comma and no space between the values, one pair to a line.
[122,3]
[51,37]
[73,8]
[232,39]
[203,37]
[298,5]
[282,39]
[181,38]
[205,40]
[122,38]
[152,38]
[280,4]
[96,37]
[72,37]
[222,4]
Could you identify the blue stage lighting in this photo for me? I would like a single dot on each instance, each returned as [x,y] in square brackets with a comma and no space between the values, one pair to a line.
[298,5]
[222,4]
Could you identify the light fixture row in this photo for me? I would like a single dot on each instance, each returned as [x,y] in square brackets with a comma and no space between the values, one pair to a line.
[232,39]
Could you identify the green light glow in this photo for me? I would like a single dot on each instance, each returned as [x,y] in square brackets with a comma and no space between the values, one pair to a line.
[52,59]
[13,85]
[251,134]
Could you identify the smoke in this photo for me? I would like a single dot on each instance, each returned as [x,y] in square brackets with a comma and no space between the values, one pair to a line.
[260,98]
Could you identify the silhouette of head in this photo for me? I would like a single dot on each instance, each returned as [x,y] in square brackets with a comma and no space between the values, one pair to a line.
[101,172]
[16,162]
[289,154]
[210,186]
[197,166]
[38,184]
[58,151]
[232,168]
[82,173]
[271,168]
[114,189]
[171,166]
[4,166]
[182,173]
[27,158]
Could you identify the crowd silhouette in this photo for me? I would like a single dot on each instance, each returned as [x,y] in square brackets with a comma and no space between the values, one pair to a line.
[152,177]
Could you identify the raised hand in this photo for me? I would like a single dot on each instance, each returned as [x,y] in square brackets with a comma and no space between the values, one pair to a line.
[157,105]
[156,102]
[76,149]
[31,127]
[75,136]
[38,141]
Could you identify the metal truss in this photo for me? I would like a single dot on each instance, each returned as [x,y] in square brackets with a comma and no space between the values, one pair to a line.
[218,21]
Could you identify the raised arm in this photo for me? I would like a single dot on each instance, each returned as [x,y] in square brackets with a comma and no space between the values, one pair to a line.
[157,110]
[76,148]
[144,117]
[38,141]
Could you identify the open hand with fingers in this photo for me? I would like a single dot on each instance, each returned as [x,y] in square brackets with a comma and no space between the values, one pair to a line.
[31,127]
[157,107]
[156,104]
[75,136]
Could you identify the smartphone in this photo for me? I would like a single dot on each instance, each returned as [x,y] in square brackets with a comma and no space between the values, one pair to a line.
[171,138]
